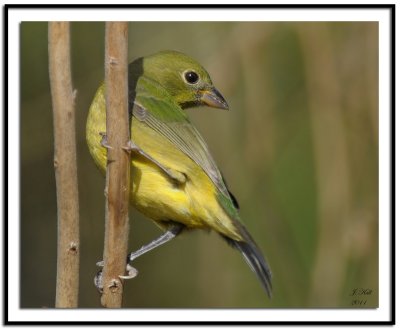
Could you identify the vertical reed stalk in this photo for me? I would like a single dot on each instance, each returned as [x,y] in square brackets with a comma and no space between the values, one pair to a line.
[118,163]
[63,98]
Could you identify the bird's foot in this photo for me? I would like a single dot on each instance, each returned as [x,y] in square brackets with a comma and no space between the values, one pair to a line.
[131,272]
[173,230]
[103,141]
[98,279]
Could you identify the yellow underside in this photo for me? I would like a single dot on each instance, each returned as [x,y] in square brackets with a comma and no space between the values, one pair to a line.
[153,193]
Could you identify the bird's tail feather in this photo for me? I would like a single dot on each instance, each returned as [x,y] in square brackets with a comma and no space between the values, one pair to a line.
[253,257]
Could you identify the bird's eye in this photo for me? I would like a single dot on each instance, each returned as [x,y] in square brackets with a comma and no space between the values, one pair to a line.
[191,77]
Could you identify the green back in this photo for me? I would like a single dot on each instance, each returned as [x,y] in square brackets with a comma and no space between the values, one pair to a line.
[155,107]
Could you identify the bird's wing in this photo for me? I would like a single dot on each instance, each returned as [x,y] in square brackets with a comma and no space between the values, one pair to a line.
[164,116]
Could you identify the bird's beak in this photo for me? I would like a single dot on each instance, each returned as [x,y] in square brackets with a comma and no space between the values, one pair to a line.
[213,98]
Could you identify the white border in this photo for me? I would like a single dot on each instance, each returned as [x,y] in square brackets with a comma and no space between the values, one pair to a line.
[144,15]
[15,16]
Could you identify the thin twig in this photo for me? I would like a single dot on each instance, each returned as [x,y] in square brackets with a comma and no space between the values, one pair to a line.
[65,165]
[118,167]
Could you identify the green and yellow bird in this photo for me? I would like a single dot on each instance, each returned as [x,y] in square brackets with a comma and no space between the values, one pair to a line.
[174,179]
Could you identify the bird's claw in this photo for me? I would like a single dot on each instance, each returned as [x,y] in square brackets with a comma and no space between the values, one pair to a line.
[103,141]
[131,146]
[132,272]
[98,279]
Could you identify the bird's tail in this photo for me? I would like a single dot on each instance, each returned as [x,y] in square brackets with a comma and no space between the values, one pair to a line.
[253,256]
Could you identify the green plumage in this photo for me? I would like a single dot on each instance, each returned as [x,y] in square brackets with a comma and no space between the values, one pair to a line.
[161,86]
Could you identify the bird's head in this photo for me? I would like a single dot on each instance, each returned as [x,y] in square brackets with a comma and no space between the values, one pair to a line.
[184,79]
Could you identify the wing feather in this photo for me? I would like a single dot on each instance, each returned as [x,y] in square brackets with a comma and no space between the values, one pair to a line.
[164,116]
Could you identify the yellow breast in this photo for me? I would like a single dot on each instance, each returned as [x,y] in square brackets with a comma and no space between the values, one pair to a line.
[153,193]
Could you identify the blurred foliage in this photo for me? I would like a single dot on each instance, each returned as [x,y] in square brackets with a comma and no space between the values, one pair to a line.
[299,148]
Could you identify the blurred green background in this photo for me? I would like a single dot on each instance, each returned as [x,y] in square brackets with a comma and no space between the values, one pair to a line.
[299,149]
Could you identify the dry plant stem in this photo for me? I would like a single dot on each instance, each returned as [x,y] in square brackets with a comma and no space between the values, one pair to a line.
[118,163]
[65,165]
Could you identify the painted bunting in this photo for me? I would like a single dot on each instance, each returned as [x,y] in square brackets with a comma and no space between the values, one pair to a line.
[174,179]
